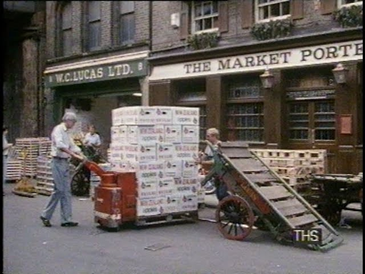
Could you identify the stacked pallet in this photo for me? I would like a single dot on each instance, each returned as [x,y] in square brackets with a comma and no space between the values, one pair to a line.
[28,149]
[294,165]
[44,175]
[159,144]
[13,170]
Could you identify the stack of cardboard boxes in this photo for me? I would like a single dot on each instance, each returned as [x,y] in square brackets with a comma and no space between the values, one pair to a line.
[160,145]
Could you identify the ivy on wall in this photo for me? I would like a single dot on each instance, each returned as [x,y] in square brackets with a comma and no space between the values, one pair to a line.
[272,29]
[349,16]
[203,40]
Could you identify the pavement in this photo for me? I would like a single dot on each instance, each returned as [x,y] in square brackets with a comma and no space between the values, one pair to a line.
[189,248]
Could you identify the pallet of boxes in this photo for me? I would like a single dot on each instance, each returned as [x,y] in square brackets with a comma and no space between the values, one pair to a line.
[159,144]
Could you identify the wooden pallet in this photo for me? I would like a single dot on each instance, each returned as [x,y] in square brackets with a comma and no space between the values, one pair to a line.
[189,216]
[24,194]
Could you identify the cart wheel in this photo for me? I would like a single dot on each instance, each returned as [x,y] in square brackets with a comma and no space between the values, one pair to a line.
[331,213]
[234,217]
[80,184]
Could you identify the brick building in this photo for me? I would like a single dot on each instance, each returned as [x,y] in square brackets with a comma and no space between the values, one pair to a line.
[96,59]
[213,55]
[24,38]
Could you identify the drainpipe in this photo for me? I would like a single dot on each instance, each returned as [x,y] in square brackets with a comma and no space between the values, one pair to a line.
[150,25]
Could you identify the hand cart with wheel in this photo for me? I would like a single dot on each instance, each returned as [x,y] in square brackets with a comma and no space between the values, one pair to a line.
[259,195]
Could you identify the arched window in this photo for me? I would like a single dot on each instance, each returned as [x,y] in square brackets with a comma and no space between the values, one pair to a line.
[65,30]
[93,27]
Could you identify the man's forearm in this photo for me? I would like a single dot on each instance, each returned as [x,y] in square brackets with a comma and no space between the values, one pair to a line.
[70,152]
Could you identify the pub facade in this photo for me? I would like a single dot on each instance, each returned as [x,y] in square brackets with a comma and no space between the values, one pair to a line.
[299,91]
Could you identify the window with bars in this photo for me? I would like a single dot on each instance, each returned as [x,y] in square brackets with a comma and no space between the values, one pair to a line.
[312,121]
[66,29]
[94,25]
[126,22]
[272,9]
[245,118]
[205,16]
[343,3]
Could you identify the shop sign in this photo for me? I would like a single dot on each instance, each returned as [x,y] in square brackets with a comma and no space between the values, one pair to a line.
[135,68]
[310,94]
[305,56]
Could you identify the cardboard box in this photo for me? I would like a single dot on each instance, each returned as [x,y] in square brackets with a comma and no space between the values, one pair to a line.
[117,117]
[149,207]
[166,186]
[170,204]
[172,134]
[116,151]
[189,169]
[139,153]
[147,188]
[186,189]
[163,115]
[190,134]
[187,151]
[138,115]
[173,168]
[118,134]
[201,196]
[165,151]
[124,166]
[185,116]
[145,134]
[188,202]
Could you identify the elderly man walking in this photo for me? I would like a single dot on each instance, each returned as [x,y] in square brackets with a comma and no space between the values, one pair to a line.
[62,149]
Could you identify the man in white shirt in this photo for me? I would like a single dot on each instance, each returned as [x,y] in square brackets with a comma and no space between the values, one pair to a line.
[62,149]
[6,147]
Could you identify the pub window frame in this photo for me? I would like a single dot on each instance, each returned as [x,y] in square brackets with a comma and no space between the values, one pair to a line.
[89,20]
[213,16]
[259,9]
[122,14]
[341,3]
[246,97]
[62,29]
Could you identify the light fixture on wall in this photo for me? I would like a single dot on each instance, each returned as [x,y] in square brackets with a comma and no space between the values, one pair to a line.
[138,94]
[340,74]
[267,79]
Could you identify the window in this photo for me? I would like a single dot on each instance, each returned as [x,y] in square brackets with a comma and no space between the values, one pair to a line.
[272,9]
[205,16]
[245,111]
[94,25]
[126,22]
[66,29]
[342,3]
[314,121]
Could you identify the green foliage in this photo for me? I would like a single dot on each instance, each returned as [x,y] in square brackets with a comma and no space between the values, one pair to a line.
[349,17]
[272,29]
[203,41]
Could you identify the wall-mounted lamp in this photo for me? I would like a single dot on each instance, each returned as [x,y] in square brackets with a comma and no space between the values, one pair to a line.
[138,94]
[267,79]
[340,74]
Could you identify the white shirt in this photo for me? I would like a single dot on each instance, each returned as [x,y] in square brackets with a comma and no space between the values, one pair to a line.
[5,146]
[61,139]
[92,139]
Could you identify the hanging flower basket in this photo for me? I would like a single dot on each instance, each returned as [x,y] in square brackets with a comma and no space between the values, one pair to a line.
[203,40]
[272,29]
[349,17]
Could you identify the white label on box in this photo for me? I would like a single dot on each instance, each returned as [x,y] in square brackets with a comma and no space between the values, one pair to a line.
[187,151]
[173,168]
[123,166]
[185,116]
[190,134]
[163,115]
[139,153]
[147,188]
[117,117]
[186,189]
[189,169]
[165,151]
[166,186]
[145,134]
[118,134]
[149,207]
[173,134]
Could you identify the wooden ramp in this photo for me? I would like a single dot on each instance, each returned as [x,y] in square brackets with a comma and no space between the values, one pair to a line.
[289,208]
